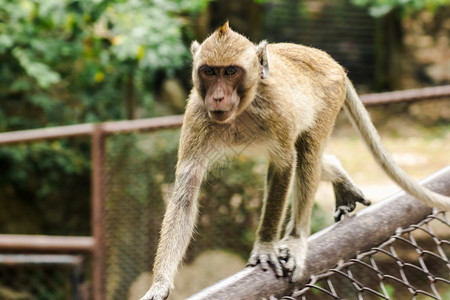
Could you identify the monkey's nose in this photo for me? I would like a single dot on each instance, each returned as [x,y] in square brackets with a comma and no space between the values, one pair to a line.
[218,98]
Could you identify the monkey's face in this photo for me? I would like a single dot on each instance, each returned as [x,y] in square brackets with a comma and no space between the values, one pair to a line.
[227,69]
[220,89]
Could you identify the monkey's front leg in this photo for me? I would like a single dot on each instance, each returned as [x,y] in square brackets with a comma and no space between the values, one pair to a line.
[293,246]
[265,250]
[176,231]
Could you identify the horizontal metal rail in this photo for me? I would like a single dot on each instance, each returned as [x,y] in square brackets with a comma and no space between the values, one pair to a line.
[176,121]
[142,124]
[339,242]
[89,128]
[46,133]
[406,95]
[40,259]
[19,242]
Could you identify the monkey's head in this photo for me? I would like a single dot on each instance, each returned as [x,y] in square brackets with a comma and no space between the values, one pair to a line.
[227,69]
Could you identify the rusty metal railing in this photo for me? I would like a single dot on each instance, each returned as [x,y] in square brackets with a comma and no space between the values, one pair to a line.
[96,243]
[98,132]
[46,243]
[411,95]
[406,96]
[70,270]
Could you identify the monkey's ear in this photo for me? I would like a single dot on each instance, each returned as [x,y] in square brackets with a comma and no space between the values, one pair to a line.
[194,47]
[262,56]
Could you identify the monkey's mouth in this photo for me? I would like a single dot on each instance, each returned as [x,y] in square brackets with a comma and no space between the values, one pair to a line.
[220,116]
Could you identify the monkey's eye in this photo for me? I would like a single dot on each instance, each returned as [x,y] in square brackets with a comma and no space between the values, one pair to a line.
[208,71]
[230,71]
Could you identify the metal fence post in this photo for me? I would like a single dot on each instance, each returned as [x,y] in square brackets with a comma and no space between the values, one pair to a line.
[98,212]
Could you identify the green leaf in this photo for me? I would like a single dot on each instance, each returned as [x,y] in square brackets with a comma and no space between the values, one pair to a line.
[39,71]
[5,42]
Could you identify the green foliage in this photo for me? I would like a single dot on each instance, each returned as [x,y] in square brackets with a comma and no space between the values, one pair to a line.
[36,70]
[379,8]
[69,62]
[45,188]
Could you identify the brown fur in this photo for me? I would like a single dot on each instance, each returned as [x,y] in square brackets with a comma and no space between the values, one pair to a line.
[285,104]
[284,90]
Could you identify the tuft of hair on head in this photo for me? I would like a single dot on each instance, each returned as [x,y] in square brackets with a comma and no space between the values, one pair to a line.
[223,30]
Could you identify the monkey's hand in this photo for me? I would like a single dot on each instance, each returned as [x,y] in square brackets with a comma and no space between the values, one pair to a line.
[157,291]
[266,254]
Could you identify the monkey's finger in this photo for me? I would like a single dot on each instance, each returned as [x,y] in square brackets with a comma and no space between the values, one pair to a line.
[252,261]
[283,252]
[364,201]
[289,264]
[341,211]
[276,265]
[156,293]
[338,215]
[264,262]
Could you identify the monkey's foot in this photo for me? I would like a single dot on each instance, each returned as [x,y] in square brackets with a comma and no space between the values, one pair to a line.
[266,254]
[157,292]
[346,198]
[292,257]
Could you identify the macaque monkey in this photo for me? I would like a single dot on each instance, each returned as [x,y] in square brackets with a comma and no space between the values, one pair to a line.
[281,100]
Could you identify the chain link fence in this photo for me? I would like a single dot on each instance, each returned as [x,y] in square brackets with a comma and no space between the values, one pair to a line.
[136,171]
[35,277]
[140,170]
[412,264]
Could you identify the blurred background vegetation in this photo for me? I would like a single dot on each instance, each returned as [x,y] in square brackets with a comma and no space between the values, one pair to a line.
[69,62]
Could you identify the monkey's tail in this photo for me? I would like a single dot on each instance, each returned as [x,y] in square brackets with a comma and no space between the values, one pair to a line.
[361,121]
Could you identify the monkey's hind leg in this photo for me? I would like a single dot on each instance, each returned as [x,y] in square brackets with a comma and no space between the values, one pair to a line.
[346,193]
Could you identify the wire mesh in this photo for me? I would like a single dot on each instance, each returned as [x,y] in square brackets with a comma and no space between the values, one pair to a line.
[35,277]
[412,264]
[140,170]
[134,208]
